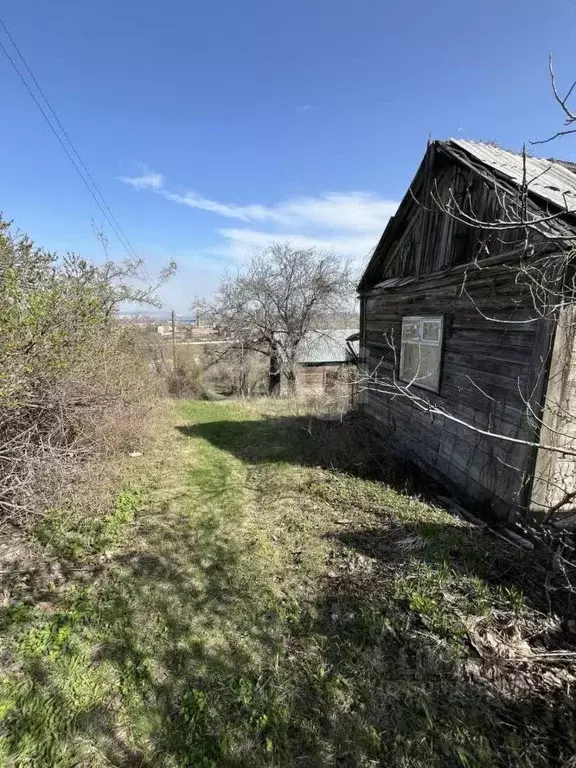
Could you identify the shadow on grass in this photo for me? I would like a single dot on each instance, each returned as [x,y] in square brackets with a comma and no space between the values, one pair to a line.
[431,700]
[348,445]
[179,630]
[357,677]
[507,579]
[212,664]
[471,552]
[354,679]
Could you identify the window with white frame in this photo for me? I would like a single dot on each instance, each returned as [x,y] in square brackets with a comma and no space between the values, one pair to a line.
[421,351]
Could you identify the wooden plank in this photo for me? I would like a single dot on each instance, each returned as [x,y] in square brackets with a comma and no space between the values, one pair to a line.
[506,353]
[471,277]
[485,312]
[521,321]
[492,384]
[554,473]
[489,338]
[471,362]
[507,401]
[482,393]
[473,459]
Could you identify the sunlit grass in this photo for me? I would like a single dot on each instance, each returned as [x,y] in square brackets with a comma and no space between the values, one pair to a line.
[245,607]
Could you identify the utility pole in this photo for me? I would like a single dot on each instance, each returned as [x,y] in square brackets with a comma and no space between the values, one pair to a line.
[173,339]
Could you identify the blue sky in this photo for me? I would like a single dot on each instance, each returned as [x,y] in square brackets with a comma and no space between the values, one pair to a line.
[213,128]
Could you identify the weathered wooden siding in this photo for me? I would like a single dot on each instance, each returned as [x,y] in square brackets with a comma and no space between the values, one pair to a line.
[555,472]
[492,365]
[311,379]
[323,379]
[503,366]
[433,240]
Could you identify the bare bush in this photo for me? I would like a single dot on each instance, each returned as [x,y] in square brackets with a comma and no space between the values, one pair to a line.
[68,372]
[185,379]
[236,372]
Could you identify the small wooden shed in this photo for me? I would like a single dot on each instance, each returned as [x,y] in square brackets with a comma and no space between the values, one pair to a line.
[323,357]
[461,367]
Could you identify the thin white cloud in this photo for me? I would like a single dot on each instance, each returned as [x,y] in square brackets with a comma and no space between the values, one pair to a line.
[340,211]
[240,243]
[305,108]
[231,211]
[145,181]
[349,223]
[352,211]
[251,239]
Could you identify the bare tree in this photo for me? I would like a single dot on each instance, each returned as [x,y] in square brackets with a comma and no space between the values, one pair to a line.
[282,294]
[119,282]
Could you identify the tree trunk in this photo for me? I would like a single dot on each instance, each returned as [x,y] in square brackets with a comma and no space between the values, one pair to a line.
[291,381]
[275,373]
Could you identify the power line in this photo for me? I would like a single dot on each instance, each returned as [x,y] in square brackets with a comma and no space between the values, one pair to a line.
[79,165]
[64,132]
[118,233]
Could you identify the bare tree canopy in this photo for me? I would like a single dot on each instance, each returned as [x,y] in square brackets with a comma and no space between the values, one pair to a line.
[282,294]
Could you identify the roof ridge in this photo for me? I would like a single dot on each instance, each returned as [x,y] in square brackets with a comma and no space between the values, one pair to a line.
[569,164]
[549,179]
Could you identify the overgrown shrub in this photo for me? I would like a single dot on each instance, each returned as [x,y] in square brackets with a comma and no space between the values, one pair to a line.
[68,372]
[185,379]
[209,372]
[236,372]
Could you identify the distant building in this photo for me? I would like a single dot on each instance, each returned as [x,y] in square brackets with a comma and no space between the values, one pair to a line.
[323,357]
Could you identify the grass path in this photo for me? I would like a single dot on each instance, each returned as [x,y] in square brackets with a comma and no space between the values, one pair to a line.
[241,606]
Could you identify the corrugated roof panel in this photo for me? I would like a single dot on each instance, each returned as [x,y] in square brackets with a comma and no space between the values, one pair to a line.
[548,179]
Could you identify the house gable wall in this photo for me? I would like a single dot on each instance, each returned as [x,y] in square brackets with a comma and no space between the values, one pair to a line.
[495,348]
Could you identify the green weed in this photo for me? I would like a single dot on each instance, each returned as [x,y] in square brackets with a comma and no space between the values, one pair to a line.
[73,536]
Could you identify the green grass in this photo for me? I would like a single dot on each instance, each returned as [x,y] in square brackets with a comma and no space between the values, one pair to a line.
[244,606]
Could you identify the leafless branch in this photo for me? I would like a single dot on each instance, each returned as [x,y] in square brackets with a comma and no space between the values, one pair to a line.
[281,296]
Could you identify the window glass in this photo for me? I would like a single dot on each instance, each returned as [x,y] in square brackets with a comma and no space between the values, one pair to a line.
[410,329]
[421,352]
[431,330]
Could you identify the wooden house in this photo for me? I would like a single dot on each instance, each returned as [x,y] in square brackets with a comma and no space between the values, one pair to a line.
[323,358]
[464,364]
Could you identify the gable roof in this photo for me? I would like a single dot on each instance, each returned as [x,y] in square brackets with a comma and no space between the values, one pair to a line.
[552,186]
[322,347]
